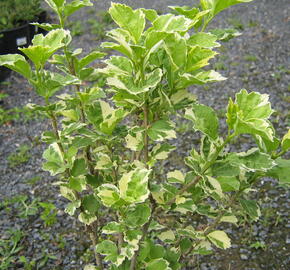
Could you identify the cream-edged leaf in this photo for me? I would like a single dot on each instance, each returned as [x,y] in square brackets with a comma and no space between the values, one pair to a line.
[219,239]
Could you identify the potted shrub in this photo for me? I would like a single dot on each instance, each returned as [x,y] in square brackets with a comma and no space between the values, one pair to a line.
[15,31]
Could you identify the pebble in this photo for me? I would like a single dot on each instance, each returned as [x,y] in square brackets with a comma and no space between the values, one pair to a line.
[244,257]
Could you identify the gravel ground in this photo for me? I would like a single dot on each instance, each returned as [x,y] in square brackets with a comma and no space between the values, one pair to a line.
[258,61]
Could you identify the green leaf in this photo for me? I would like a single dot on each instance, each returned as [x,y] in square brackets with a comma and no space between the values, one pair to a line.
[213,188]
[90,204]
[71,128]
[137,216]
[160,152]
[156,251]
[229,219]
[229,183]
[170,23]
[122,37]
[55,3]
[53,82]
[81,142]
[185,245]
[134,186]
[175,177]
[68,193]
[225,34]
[110,250]
[167,236]
[267,146]
[111,117]
[204,119]
[118,65]
[158,264]
[70,114]
[54,158]
[249,114]
[252,160]
[77,184]
[75,5]
[128,84]
[46,26]
[17,63]
[104,162]
[126,18]
[109,194]
[251,208]
[90,267]
[135,139]
[188,231]
[132,237]
[153,40]
[185,205]
[182,99]
[186,11]
[92,56]
[204,40]
[176,48]
[281,171]
[219,239]
[94,180]
[161,130]
[112,228]
[45,46]
[150,14]
[198,57]
[87,218]
[216,6]
[79,167]
[72,207]
[199,78]
[286,141]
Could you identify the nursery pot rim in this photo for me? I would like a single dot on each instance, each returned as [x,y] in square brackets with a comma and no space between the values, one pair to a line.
[25,24]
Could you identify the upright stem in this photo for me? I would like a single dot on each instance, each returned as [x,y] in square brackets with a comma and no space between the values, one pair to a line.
[144,233]
[91,230]
[55,130]
[146,155]
[146,159]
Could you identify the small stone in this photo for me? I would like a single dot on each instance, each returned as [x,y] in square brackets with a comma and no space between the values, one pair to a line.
[244,257]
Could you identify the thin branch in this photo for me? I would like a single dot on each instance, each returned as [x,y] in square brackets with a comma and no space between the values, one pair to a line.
[144,233]
[153,204]
[145,123]
[207,165]
[56,132]
[91,229]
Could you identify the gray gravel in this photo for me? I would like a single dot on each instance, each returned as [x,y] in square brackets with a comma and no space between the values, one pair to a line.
[266,36]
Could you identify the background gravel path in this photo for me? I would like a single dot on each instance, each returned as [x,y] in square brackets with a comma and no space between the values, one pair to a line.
[259,60]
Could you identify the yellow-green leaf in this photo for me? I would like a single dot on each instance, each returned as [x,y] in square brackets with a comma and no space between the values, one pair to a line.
[286,141]
[219,239]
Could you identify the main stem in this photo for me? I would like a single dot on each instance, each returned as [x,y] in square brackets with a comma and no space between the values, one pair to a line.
[146,155]
[91,228]
[146,159]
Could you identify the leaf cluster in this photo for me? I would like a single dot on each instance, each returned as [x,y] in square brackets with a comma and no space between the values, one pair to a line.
[107,146]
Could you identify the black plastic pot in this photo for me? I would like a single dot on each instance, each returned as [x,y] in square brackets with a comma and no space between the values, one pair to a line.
[10,40]
[41,18]
[4,72]
[16,37]
[20,36]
